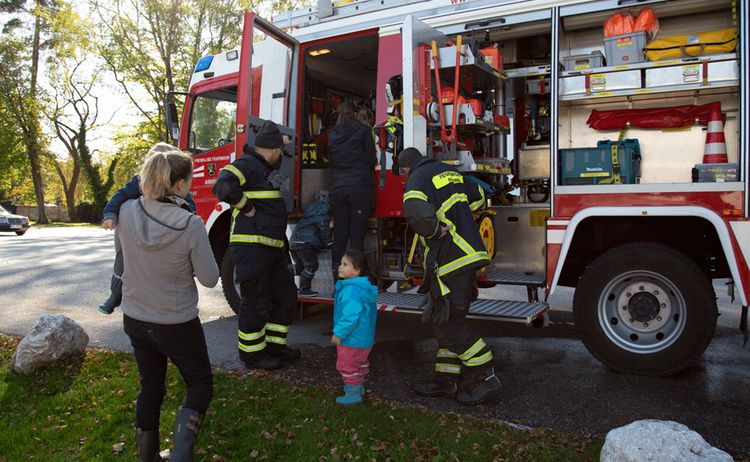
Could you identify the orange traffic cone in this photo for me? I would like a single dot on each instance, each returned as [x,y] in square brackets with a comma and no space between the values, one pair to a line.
[715,151]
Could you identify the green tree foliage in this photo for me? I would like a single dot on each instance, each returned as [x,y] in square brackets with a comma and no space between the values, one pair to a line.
[13,163]
[151,46]
[25,33]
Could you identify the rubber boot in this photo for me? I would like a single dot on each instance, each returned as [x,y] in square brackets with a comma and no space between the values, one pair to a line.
[186,427]
[115,296]
[480,385]
[305,284]
[263,360]
[352,395]
[148,445]
[284,353]
[438,387]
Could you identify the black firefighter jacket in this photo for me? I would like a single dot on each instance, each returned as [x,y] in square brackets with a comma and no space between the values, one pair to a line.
[453,199]
[244,184]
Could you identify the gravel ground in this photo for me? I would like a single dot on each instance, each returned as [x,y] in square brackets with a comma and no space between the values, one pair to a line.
[554,383]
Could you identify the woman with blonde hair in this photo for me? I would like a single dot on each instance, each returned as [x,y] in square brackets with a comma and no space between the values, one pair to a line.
[164,247]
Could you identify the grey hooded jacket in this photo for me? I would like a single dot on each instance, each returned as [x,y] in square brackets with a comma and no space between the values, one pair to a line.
[163,246]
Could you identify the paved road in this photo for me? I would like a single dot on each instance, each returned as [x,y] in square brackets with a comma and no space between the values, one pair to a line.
[551,379]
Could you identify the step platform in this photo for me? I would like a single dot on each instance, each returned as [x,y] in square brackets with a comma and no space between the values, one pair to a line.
[506,277]
[496,310]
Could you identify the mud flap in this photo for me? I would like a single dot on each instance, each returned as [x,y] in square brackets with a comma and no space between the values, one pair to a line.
[743,325]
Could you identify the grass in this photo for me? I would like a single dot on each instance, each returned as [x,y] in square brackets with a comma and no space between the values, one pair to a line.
[82,407]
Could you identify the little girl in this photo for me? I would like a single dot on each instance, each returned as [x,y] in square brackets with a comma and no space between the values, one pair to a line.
[354,318]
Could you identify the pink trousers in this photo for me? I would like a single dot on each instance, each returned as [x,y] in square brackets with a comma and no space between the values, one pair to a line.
[352,364]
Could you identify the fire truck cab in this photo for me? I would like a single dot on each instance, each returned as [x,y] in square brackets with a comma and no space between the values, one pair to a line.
[592,152]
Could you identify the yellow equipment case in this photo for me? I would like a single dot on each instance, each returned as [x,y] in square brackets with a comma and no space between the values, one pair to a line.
[692,45]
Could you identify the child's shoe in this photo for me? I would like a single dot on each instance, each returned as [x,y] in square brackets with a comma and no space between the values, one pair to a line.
[352,395]
[108,307]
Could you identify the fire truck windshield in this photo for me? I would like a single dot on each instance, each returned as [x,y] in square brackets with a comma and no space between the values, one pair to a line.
[212,120]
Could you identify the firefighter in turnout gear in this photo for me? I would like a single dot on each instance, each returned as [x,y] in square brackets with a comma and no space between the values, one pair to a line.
[438,206]
[250,185]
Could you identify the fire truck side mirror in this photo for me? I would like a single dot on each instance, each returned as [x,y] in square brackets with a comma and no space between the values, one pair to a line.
[173,125]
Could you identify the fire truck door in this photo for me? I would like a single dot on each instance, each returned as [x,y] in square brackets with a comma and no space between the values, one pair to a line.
[268,72]
[414,35]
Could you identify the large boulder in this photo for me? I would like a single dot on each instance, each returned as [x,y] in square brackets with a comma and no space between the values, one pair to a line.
[658,441]
[51,338]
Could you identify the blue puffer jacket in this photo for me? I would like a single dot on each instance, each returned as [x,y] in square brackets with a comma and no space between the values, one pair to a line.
[313,229]
[355,312]
[132,190]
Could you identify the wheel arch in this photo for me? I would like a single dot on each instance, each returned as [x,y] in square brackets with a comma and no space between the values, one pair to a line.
[595,230]
[218,225]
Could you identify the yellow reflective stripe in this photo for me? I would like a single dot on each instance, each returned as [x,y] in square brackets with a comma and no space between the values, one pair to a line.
[232,169]
[277,327]
[444,290]
[251,335]
[450,202]
[461,262]
[484,359]
[477,204]
[448,368]
[255,239]
[457,239]
[474,349]
[241,203]
[252,348]
[235,212]
[446,353]
[276,340]
[268,194]
[414,194]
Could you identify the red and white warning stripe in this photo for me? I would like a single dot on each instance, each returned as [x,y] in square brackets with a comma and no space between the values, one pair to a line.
[715,151]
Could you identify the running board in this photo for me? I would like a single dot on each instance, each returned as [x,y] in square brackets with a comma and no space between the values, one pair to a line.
[506,277]
[495,310]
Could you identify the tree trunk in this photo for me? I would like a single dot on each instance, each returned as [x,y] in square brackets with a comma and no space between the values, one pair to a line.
[70,192]
[32,142]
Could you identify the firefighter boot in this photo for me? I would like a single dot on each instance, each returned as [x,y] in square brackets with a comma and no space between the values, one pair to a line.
[305,287]
[263,360]
[186,427]
[352,395]
[478,386]
[438,387]
[148,445]
[284,353]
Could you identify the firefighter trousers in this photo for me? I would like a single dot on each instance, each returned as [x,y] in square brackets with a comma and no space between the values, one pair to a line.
[269,299]
[459,346]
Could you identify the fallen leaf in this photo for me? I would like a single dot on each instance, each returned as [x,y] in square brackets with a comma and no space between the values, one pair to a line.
[118,447]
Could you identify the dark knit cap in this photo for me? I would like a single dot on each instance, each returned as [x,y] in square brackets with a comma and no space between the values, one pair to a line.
[408,157]
[269,136]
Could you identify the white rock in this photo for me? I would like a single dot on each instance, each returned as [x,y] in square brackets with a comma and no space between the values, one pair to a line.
[51,338]
[658,441]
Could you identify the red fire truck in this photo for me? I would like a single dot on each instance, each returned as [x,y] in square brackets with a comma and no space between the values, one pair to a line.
[616,165]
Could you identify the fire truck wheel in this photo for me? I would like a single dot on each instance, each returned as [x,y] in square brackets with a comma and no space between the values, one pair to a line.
[645,309]
[231,290]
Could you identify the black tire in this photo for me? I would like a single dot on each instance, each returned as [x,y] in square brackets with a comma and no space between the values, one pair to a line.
[231,292]
[645,309]
[20,233]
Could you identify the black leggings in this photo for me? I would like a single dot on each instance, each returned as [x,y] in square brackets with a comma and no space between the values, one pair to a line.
[185,345]
[351,206]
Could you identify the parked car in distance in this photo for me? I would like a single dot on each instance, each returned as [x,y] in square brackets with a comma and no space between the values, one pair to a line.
[13,223]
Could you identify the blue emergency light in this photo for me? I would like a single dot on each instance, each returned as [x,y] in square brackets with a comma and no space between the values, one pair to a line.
[204,63]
